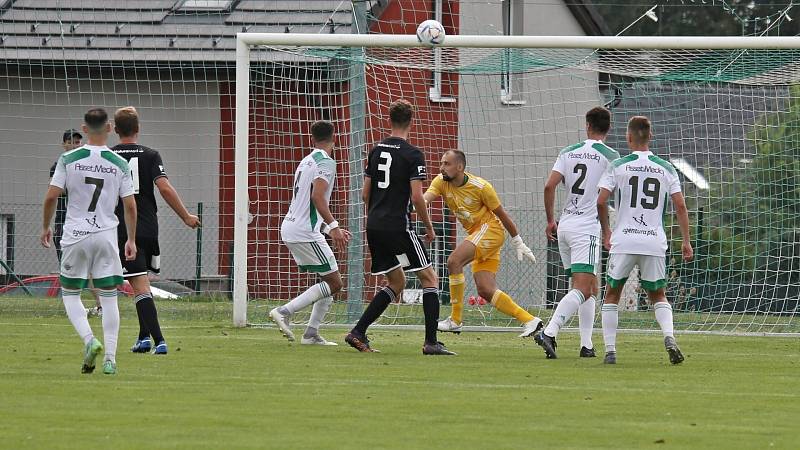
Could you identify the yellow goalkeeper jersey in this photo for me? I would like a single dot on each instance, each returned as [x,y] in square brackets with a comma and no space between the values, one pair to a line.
[472,202]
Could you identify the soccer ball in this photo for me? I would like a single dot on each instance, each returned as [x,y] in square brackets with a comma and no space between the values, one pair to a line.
[430,32]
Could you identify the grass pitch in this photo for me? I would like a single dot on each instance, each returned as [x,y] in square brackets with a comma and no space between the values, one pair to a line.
[222,387]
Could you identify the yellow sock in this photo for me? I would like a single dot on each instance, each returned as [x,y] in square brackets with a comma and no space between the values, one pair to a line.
[456,296]
[506,305]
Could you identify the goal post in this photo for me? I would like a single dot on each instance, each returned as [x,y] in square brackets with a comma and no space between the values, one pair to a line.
[717,104]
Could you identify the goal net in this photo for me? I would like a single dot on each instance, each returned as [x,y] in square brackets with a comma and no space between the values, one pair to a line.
[725,113]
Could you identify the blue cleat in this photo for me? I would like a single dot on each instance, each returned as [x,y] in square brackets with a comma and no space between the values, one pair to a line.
[161,349]
[142,346]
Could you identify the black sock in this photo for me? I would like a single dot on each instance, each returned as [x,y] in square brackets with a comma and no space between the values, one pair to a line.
[430,306]
[144,333]
[149,316]
[376,307]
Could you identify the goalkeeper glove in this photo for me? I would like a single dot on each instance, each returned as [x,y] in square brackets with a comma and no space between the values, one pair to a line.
[522,249]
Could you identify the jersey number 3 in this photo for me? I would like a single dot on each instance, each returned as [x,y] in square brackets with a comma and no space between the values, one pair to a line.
[385,169]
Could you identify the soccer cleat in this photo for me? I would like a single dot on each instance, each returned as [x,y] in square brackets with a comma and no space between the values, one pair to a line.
[360,343]
[531,327]
[548,344]
[611,358]
[675,355]
[161,348]
[587,353]
[90,352]
[110,368]
[283,323]
[449,325]
[436,349]
[316,340]
[142,346]
[97,311]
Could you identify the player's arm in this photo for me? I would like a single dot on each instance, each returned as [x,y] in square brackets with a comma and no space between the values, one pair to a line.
[683,222]
[418,200]
[602,216]
[49,209]
[549,203]
[429,197]
[174,201]
[516,240]
[129,207]
[339,235]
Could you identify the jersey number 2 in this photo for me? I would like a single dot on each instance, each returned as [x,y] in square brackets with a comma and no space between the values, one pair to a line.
[576,188]
[98,187]
[385,169]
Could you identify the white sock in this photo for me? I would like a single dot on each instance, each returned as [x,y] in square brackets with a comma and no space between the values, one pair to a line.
[311,295]
[610,320]
[565,309]
[77,313]
[586,321]
[108,299]
[664,318]
[318,312]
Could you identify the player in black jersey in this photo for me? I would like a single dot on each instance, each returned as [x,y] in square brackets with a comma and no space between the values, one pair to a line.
[393,183]
[147,171]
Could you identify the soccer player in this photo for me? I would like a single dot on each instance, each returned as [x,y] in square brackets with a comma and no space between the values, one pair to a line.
[643,182]
[96,179]
[580,167]
[474,202]
[147,171]
[393,183]
[308,217]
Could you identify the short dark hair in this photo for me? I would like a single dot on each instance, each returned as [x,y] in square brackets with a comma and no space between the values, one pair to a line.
[95,119]
[599,119]
[460,156]
[126,121]
[401,112]
[639,129]
[71,133]
[322,131]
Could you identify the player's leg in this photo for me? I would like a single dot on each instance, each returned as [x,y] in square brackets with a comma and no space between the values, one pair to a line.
[653,280]
[430,308]
[146,309]
[619,267]
[75,263]
[586,314]
[106,272]
[320,308]
[463,254]
[486,285]
[97,310]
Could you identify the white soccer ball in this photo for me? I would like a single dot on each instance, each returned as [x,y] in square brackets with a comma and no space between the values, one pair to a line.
[430,32]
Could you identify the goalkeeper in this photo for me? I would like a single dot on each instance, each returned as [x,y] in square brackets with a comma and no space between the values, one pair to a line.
[476,205]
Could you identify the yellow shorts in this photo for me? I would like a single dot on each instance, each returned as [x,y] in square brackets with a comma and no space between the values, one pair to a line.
[488,240]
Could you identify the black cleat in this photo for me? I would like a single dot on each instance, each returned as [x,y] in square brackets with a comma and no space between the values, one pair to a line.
[360,343]
[436,349]
[675,355]
[548,344]
[587,353]
[611,358]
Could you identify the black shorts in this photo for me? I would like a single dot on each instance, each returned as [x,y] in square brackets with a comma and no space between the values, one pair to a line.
[148,258]
[393,249]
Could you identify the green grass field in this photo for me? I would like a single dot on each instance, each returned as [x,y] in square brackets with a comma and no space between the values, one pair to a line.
[222,387]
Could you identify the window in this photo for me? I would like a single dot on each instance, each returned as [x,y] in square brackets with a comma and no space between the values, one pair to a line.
[510,83]
[205,5]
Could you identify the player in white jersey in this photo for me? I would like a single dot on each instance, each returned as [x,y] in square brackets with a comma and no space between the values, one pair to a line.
[308,217]
[96,179]
[580,167]
[643,183]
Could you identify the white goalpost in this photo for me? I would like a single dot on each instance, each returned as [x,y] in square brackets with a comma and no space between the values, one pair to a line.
[725,110]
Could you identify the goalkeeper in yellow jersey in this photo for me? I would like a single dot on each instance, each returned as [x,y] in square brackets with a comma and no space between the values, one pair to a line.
[476,205]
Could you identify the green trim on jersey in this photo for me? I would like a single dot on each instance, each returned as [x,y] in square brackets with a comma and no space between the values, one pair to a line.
[620,161]
[608,152]
[108,282]
[662,163]
[72,283]
[312,214]
[652,286]
[115,159]
[76,155]
[316,268]
[615,283]
[582,268]
[571,148]
[320,156]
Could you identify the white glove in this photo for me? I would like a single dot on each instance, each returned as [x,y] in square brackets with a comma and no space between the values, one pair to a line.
[522,249]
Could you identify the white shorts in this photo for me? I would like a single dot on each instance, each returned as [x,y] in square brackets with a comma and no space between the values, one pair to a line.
[97,257]
[580,253]
[652,270]
[316,257]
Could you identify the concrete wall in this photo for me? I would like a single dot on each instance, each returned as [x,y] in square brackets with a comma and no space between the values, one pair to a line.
[514,146]
[179,118]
